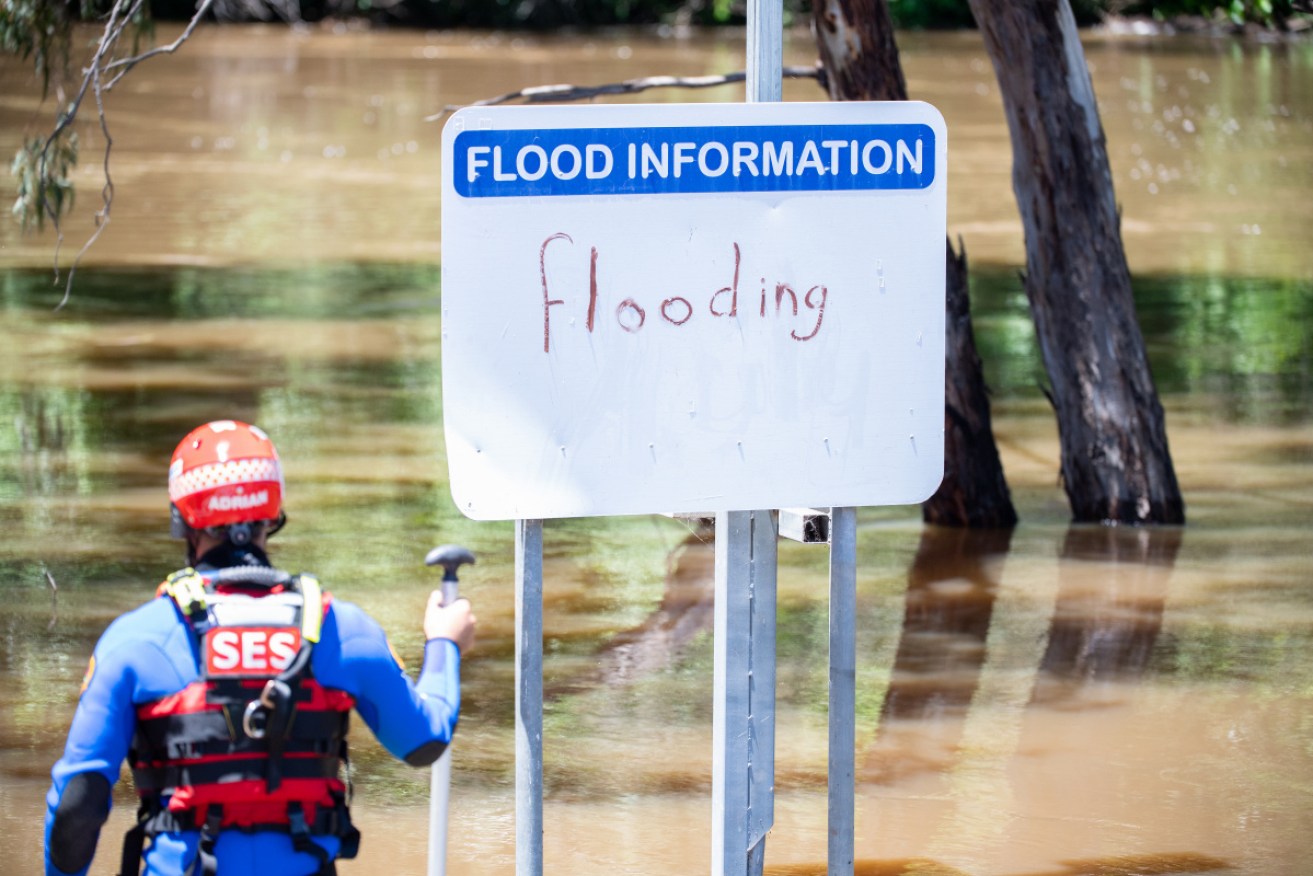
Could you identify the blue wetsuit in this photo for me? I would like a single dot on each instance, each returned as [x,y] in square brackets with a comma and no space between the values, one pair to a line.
[151,652]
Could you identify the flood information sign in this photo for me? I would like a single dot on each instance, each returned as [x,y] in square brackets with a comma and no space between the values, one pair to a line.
[692,308]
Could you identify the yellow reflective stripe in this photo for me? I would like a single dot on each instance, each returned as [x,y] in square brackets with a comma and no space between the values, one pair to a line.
[187,589]
[86,679]
[312,608]
[395,655]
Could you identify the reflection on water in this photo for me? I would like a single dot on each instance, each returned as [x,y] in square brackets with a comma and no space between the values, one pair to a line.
[1118,865]
[1111,595]
[950,598]
[1238,348]
[1054,701]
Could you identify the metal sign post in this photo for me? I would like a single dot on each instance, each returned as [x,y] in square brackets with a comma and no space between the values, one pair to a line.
[528,697]
[765,61]
[743,725]
[843,689]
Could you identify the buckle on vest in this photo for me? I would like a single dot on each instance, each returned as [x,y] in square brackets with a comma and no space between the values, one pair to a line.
[268,715]
[187,589]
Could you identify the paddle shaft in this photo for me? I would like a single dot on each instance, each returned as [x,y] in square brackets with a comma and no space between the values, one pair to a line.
[440,780]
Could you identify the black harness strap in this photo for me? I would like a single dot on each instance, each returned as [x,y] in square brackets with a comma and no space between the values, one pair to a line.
[277,721]
[206,864]
[330,821]
[134,844]
[303,842]
[160,779]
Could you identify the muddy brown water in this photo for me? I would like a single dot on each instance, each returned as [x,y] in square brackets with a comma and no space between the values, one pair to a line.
[1058,700]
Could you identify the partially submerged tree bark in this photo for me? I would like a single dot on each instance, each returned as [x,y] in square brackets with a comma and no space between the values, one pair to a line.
[974,492]
[860,59]
[1116,465]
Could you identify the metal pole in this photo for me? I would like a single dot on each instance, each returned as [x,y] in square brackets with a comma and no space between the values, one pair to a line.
[761,688]
[439,797]
[440,779]
[743,723]
[743,727]
[765,62]
[528,697]
[729,753]
[843,688]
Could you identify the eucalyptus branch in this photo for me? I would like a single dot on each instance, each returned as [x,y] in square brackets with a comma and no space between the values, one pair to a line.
[128,63]
[61,124]
[101,73]
[44,205]
[566,93]
[91,74]
[106,191]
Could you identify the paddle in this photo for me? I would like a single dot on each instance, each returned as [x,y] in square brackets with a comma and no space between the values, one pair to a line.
[450,557]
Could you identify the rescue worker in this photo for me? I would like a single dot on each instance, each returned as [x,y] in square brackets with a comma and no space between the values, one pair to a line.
[230,693]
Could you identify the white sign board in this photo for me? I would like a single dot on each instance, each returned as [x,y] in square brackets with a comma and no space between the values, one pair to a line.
[692,308]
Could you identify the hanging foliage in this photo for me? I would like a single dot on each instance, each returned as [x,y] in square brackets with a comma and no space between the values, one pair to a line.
[42,170]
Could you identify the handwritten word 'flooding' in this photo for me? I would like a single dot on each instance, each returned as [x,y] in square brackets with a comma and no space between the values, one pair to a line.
[631,316]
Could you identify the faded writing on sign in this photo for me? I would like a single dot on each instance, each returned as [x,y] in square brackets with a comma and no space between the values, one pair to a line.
[801,313]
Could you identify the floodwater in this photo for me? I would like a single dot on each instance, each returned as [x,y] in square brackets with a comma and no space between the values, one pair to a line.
[1057,700]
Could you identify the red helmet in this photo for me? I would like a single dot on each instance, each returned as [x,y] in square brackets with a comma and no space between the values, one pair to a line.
[222,473]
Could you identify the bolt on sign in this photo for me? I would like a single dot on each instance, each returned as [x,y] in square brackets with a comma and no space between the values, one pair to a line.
[692,308]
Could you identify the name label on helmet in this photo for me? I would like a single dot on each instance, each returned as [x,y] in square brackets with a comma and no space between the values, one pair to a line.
[248,651]
[236,503]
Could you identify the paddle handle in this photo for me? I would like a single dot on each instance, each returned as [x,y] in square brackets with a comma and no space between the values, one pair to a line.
[440,780]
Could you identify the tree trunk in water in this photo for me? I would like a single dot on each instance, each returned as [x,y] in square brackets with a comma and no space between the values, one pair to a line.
[1116,465]
[860,59]
[974,492]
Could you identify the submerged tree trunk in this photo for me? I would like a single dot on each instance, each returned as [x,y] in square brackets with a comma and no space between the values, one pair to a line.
[974,492]
[860,59]
[1116,465]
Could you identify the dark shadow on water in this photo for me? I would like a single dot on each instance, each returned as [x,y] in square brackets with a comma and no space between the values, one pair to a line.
[1102,621]
[950,599]
[1240,343]
[1105,624]
[686,610]
[1106,621]
[1112,591]
[1151,864]
[868,867]
[320,291]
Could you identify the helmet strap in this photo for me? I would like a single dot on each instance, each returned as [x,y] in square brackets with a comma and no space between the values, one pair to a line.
[178,527]
[238,538]
[278,523]
[227,554]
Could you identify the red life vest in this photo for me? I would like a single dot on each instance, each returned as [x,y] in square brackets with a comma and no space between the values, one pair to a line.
[256,742]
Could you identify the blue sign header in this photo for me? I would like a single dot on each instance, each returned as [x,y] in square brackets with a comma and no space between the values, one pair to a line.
[697,160]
